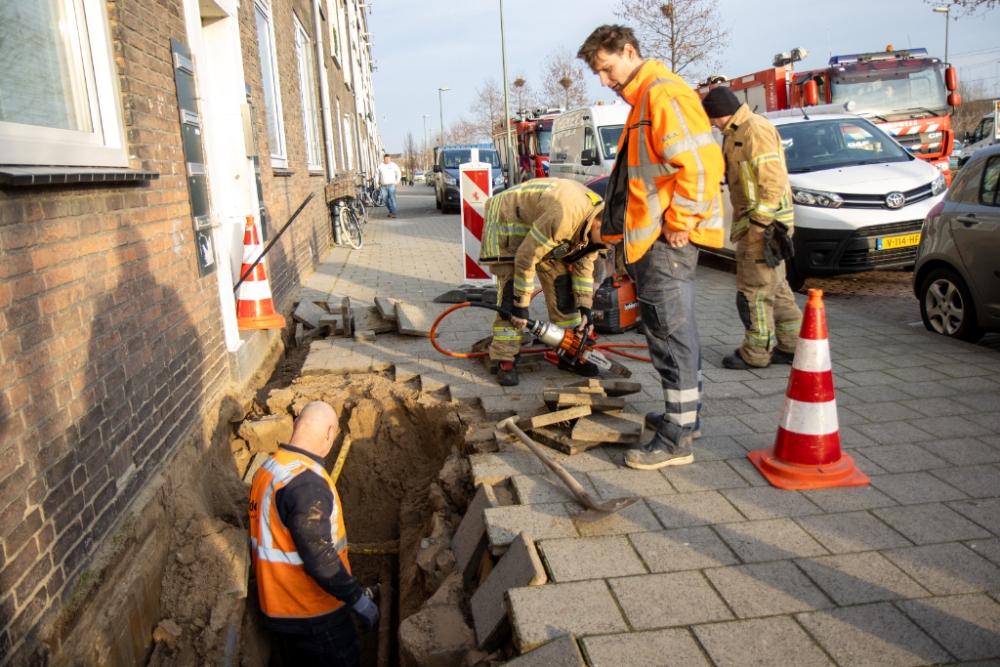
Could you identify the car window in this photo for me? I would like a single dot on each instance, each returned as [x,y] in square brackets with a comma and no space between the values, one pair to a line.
[610,134]
[829,144]
[589,142]
[965,187]
[988,190]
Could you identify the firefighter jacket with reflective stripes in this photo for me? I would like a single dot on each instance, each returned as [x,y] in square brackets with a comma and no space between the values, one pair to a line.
[674,167]
[755,168]
[299,545]
[526,223]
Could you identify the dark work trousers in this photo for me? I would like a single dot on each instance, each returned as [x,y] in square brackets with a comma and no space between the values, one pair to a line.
[336,647]
[664,277]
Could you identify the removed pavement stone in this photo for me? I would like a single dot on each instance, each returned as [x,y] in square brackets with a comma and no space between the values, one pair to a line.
[255,463]
[470,542]
[545,521]
[332,322]
[387,307]
[437,635]
[308,313]
[560,438]
[518,568]
[558,401]
[347,317]
[265,434]
[562,652]
[557,417]
[610,387]
[617,429]
[278,401]
[371,318]
[414,321]
[364,336]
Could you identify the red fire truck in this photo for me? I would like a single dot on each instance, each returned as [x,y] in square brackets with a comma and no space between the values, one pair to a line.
[532,137]
[907,92]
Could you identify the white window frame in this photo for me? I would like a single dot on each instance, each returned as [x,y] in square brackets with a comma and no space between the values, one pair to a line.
[105,145]
[307,90]
[279,157]
[336,34]
[349,141]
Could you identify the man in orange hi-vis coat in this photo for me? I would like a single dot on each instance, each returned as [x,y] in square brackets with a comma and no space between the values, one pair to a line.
[663,197]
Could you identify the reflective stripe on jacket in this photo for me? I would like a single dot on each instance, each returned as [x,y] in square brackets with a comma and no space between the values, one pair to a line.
[758,177]
[674,165]
[284,588]
[525,223]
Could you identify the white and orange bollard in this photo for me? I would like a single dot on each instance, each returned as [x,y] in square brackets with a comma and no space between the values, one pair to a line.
[806,452]
[254,305]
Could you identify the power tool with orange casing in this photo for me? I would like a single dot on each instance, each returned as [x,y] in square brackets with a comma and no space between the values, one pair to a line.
[616,305]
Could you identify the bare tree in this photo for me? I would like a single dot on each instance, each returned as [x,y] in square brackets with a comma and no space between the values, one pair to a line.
[976,101]
[411,156]
[687,35]
[488,108]
[564,79]
[968,7]
[463,131]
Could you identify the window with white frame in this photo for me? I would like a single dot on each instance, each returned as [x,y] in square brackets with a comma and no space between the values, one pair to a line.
[307,88]
[269,81]
[348,141]
[59,101]
[333,20]
[340,135]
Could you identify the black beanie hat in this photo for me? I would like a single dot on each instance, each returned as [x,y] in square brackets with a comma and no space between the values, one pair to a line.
[720,102]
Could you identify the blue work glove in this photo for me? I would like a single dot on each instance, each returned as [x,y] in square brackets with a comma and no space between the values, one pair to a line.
[367,610]
[518,311]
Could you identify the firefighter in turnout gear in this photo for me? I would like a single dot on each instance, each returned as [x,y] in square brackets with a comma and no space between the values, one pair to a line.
[541,226]
[762,228]
[299,550]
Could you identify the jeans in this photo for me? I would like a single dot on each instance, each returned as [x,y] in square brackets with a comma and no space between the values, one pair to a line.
[389,195]
[664,277]
[336,647]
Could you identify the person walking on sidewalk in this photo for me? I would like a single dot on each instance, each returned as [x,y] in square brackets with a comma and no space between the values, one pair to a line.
[663,197]
[762,230]
[541,226]
[299,549]
[389,176]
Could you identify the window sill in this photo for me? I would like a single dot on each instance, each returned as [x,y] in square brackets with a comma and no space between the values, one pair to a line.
[17,176]
[317,172]
[282,173]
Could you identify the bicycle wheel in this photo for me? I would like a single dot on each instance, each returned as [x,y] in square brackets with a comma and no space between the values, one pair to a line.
[360,212]
[365,197]
[378,198]
[350,227]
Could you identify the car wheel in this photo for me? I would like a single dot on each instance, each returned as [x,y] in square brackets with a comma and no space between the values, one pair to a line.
[946,306]
[795,280]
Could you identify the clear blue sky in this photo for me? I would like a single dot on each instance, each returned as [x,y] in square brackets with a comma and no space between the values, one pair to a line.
[421,46]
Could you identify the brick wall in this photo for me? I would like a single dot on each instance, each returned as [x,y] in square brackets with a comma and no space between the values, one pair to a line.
[110,343]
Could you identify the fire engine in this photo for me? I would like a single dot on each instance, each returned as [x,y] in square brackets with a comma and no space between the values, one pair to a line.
[908,93]
[532,137]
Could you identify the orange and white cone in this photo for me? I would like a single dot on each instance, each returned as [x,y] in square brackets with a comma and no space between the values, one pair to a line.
[254,306]
[806,452]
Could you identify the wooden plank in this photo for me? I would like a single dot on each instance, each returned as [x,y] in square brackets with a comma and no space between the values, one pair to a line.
[554,417]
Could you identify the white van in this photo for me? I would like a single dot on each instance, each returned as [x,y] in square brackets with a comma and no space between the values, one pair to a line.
[585,141]
[986,134]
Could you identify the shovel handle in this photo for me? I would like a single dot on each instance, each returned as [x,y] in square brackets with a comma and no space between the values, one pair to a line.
[567,479]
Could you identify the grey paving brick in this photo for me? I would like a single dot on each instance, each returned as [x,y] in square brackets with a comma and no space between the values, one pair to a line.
[985,512]
[754,442]
[960,370]
[538,489]
[927,389]
[769,503]
[846,417]
[967,625]
[988,420]
[875,394]
[592,460]
[910,360]
[860,578]
[868,378]
[715,426]
[851,532]
[540,614]
[848,499]
[496,467]
[693,509]
[580,558]
[561,652]
[519,567]
[915,487]
[748,471]
[987,402]
[930,524]
[627,482]
[865,364]
[665,600]
[916,374]
[655,648]
[977,481]
[946,569]
[762,422]
[637,518]
[775,539]
[682,549]
[765,642]
[768,387]
[718,449]
[850,437]
[937,407]
[766,589]
[951,427]
[893,433]
[469,540]
[706,476]
[987,548]
[716,390]
[865,464]
[904,458]
[540,521]
[869,635]
[972,385]
[885,411]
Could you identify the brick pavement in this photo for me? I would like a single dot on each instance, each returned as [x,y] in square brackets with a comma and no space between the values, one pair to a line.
[714,566]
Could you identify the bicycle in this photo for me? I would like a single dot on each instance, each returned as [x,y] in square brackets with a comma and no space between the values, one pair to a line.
[346,223]
[364,192]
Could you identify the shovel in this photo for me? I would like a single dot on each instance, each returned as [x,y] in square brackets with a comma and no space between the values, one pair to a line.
[595,510]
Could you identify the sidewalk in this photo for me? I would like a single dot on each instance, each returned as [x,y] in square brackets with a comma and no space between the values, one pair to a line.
[715,567]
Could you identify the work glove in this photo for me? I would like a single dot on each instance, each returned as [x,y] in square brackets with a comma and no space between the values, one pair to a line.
[519,312]
[771,248]
[787,247]
[367,610]
[588,318]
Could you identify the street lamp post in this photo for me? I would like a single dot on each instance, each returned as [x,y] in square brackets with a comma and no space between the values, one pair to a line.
[947,19]
[506,103]
[423,158]
[441,110]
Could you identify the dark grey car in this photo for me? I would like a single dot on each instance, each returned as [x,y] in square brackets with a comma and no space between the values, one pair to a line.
[957,274]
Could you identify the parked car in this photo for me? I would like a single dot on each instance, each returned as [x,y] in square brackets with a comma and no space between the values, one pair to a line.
[446,191]
[984,135]
[585,141]
[957,276]
[418,177]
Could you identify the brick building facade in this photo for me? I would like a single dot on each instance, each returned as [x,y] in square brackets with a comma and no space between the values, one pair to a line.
[118,331]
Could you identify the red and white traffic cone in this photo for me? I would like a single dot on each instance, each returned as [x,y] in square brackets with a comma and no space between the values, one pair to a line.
[254,306]
[806,452]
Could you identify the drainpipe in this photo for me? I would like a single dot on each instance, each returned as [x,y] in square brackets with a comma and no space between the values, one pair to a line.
[324,92]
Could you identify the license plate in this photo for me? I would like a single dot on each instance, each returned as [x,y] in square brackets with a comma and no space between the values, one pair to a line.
[891,242]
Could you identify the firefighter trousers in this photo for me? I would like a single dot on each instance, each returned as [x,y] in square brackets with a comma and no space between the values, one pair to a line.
[557,287]
[765,303]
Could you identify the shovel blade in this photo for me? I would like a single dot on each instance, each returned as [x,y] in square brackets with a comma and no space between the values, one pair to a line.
[605,509]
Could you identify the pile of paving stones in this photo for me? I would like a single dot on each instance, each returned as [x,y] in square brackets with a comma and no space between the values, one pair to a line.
[338,316]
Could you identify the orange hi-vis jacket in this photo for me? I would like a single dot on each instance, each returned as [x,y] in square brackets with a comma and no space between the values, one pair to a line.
[675,165]
[284,588]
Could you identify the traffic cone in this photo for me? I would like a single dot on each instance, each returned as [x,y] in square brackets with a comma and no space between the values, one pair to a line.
[254,306]
[806,452]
